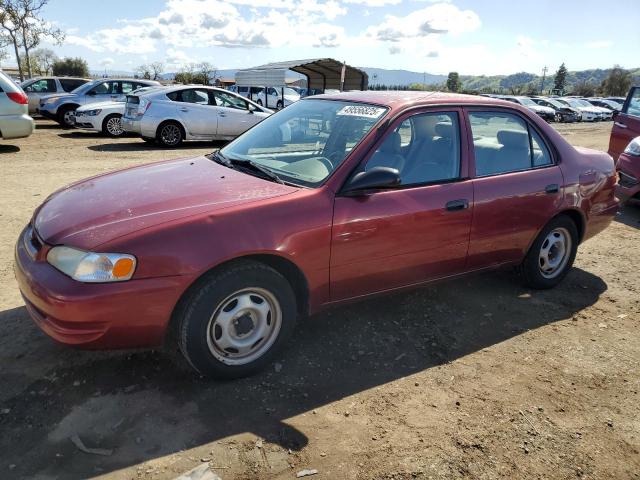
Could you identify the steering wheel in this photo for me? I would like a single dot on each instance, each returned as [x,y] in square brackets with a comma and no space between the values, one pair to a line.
[326,162]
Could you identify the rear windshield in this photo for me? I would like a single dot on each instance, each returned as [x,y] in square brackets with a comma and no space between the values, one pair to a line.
[8,85]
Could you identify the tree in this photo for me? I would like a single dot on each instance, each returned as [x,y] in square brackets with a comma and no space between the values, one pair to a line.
[453,82]
[143,71]
[43,60]
[73,67]
[207,72]
[617,83]
[3,55]
[560,79]
[156,70]
[584,89]
[24,27]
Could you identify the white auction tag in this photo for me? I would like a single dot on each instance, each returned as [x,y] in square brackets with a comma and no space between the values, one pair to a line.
[366,111]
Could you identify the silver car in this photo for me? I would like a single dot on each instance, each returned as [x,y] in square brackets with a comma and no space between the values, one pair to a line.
[36,88]
[62,107]
[15,121]
[190,112]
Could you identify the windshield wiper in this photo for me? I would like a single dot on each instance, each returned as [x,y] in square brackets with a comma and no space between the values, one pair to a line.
[250,164]
[219,158]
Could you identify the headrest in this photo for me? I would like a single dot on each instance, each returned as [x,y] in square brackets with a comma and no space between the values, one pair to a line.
[391,144]
[513,139]
[444,130]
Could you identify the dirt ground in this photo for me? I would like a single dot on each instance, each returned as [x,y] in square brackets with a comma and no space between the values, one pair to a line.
[477,378]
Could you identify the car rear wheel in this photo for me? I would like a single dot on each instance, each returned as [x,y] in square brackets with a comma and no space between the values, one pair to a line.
[170,134]
[259,102]
[279,105]
[66,116]
[235,320]
[552,254]
[112,125]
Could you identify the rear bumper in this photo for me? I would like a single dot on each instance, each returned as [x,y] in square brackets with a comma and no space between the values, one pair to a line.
[97,316]
[16,126]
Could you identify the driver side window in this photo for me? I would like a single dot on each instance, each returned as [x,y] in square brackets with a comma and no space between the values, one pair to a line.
[106,88]
[425,148]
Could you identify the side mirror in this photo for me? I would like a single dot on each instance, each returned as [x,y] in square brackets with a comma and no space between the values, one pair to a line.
[377,177]
[251,108]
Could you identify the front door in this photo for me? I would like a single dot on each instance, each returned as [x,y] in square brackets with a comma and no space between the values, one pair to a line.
[417,232]
[103,92]
[626,125]
[517,189]
[198,112]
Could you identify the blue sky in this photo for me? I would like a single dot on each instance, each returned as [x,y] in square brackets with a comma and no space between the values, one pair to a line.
[472,37]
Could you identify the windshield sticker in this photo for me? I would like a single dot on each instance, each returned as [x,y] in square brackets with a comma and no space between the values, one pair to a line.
[361,111]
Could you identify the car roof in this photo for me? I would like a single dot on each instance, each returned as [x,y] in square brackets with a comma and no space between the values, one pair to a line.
[403,99]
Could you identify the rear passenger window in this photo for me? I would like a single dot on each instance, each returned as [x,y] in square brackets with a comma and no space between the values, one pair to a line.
[69,84]
[425,148]
[505,143]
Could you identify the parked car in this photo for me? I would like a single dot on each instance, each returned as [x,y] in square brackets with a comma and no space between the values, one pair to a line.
[172,115]
[270,97]
[604,103]
[563,113]
[628,166]
[219,255]
[589,112]
[619,100]
[15,121]
[607,113]
[62,107]
[626,125]
[549,114]
[104,117]
[36,88]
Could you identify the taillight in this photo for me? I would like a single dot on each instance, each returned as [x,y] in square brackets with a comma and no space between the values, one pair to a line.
[18,97]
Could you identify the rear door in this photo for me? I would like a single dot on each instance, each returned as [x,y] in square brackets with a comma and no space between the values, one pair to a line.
[197,110]
[626,125]
[517,187]
[234,116]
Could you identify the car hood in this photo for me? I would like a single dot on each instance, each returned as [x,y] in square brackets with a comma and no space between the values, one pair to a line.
[93,106]
[56,95]
[541,108]
[100,209]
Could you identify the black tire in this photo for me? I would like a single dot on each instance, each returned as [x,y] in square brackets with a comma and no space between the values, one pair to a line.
[64,116]
[279,105]
[532,266]
[195,321]
[170,134]
[109,129]
[259,102]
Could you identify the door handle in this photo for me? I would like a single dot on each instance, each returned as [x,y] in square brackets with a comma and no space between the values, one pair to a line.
[552,188]
[454,205]
[621,125]
[222,114]
[184,109]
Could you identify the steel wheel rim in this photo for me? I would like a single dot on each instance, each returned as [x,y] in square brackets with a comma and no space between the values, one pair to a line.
[170,134]
[244,326]
[114,126]
[554,252]
[69,117]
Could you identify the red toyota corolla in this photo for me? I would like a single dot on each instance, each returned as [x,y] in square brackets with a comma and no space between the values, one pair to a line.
[332,199]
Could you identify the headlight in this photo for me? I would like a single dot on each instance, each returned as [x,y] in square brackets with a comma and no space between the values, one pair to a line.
[633,148]
[92,267]
[93,113]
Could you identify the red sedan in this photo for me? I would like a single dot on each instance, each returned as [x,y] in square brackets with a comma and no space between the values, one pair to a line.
[332,199]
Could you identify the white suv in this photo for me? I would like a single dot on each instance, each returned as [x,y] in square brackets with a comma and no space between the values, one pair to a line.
[36,88]
[15,121]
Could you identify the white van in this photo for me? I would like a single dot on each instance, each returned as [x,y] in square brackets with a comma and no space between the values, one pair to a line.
[270,97]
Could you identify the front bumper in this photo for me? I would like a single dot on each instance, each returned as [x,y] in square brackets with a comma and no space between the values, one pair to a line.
[98,316]
[628,185]
[16,126]
[87,122]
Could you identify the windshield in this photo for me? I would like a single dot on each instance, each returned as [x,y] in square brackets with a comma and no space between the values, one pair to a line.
[575,103]
[527,101]
[86,86]
[304,143]
[555,103]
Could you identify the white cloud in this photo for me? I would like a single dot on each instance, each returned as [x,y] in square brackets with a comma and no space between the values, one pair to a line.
[374,3]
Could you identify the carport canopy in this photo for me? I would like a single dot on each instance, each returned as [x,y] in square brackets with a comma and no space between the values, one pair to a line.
[321,73]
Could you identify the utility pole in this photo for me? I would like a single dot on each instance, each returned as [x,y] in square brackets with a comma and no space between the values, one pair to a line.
[544,75]
[424,80]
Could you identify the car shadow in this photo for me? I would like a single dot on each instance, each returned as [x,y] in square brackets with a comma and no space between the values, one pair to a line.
[629,214]
[143,406]
[9,148]
[140,145]
[49,126]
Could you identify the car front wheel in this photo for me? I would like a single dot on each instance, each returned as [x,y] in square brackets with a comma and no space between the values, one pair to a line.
[235,320]
[552,254]
[67,117]
[112,126]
